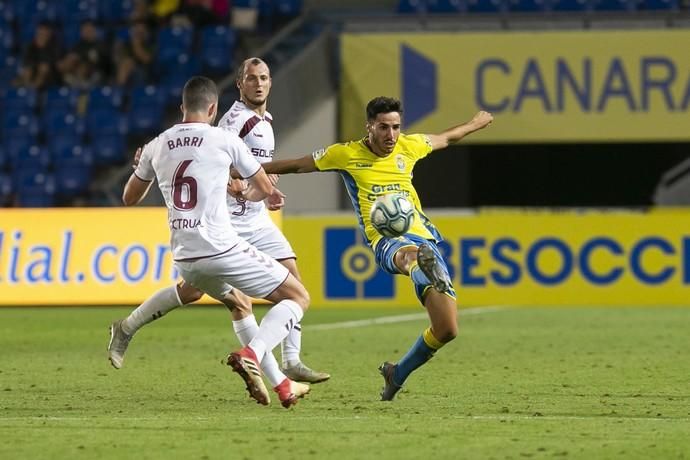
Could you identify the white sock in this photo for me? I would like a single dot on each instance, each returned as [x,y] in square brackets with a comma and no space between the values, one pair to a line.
[153,308]
[275,327]
[291,345]
[246,329]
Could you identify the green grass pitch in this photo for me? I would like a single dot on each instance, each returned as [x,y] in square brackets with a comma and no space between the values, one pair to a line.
[575,383]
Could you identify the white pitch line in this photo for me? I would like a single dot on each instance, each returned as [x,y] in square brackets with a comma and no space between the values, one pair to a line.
[395,319]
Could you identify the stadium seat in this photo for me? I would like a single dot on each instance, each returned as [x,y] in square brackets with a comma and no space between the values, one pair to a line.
[36,190]
[6,37]
[447,6]
[31,13]
[21,126]
[76,11]
[287,8]
[22,98]
[6,189]
[571,5]
[615,5]
[172,83]
[4,159]
[659,5]
[16,146]
[62,122]
[34,157]
[61,98]
[105,122]
[412,6]
[108,150]
[217,49]
[147,105]
[105,98]
[73,171]
[8,70]
[487,6]
[172,42]
[528,6]
[115,12]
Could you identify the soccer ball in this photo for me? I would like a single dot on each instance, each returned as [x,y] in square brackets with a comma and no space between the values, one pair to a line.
[392,215]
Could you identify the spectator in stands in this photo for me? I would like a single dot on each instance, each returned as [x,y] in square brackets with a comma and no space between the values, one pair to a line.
[88,63]
[195,13]
[39,61]
[134,55]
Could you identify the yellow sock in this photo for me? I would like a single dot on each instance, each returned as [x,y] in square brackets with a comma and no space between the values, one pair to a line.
[431,341]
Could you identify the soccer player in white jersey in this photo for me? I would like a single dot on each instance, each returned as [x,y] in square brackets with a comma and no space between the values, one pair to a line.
[249,119]
[191,162]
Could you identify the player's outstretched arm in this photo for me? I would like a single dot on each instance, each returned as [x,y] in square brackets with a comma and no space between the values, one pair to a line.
[301,165]
[452,135]
[259,187]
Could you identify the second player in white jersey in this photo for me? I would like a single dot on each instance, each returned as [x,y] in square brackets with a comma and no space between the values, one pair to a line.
[257,133]
[198,219]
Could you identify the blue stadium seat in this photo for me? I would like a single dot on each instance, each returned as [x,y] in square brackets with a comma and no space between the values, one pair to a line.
[61,98]
[487,6]
[172,83]
[8,70]
[105,97]
[6,38]
[70,33]
[147,105]
[571,5]
[21,126]
[23,98]
[412,6]
[16,146]
[115,11]
[172,42]
[105,122]
[615,5]
[6,11]
[659,5]
[287,8]
[35,157]
[217,49]
[31,13]
[35,189]
[63,142]
[108,150]
[447,6]
[76,11]
[528,6]
[62,123]
[73,167]
[6,189]
[4,159]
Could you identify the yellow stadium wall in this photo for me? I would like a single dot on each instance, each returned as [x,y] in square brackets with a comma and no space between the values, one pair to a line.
[542,86]
[120,256]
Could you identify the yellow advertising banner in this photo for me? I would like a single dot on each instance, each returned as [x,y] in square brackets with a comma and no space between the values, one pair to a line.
[545,86]
[121,256]
[513,258]
[97,256]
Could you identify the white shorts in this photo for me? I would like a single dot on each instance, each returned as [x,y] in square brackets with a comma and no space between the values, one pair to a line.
[269,240]
[244,267]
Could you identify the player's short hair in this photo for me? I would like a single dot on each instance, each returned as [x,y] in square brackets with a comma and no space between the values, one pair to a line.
[243,67]
[198,94]
[383,104]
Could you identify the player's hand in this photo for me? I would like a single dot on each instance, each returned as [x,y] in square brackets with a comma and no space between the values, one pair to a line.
[274,179]
[137,157]
[275,200]
[237,187]
[482,119]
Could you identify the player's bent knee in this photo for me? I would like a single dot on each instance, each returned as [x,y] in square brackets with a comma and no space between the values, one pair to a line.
[188,293]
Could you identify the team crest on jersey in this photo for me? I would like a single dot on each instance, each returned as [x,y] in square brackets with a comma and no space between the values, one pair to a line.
[318,154]
[400,161]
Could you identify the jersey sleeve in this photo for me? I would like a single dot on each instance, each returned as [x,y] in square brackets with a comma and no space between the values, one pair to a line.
[420,145]
[230,123]
[242,159]
[144,170]
[331,158]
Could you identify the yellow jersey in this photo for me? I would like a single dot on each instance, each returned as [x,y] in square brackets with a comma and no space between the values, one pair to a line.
[366,176]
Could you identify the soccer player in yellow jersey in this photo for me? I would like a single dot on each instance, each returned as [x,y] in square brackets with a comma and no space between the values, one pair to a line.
[380,163]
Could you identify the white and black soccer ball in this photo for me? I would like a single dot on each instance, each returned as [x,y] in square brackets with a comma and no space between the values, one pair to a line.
[392,214]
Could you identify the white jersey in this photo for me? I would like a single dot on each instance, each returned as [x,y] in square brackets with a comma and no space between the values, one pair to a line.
[191,162]
[257,134]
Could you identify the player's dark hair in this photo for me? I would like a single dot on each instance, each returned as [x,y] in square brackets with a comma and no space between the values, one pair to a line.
[243,67]
[383,104]
[198,94]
